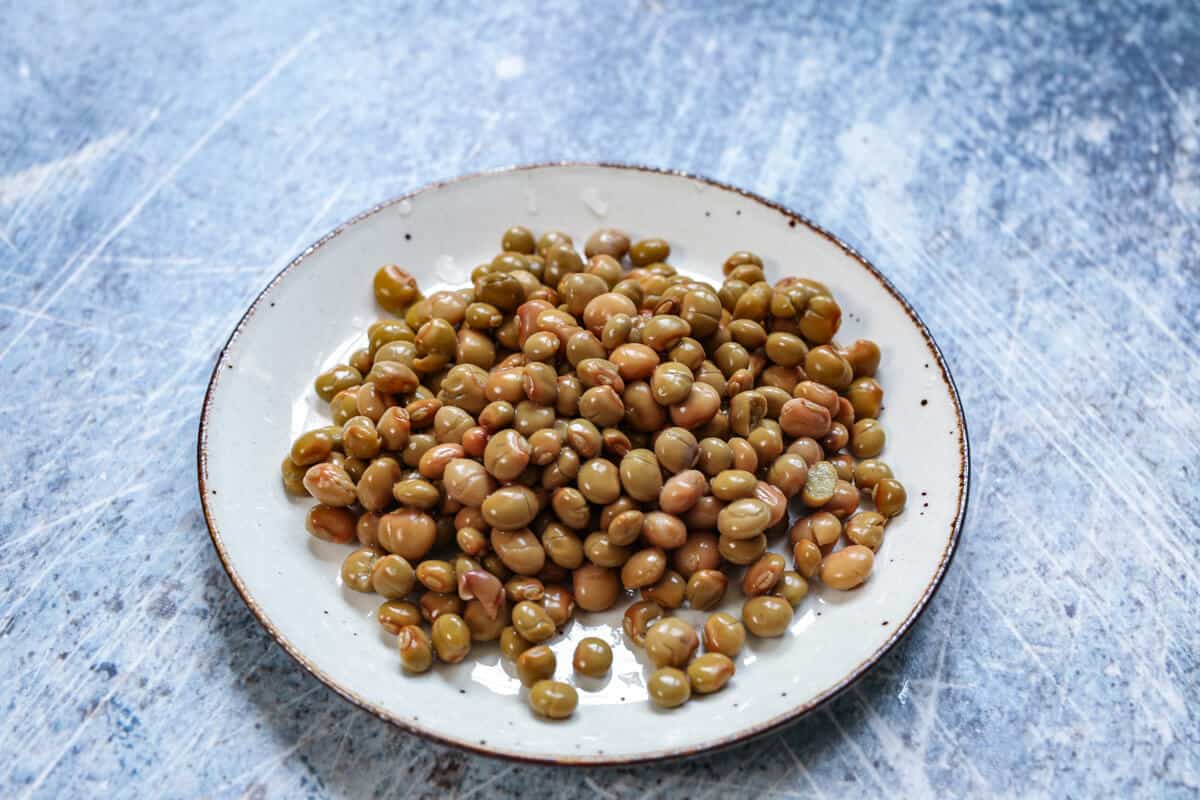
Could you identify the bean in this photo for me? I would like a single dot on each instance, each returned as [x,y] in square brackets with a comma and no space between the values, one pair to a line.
[705,589]
[553,699]
[669,591]
[593,657]
[451,638]
[393,577]
[644,568]
[889,496]
[357,568]
[710,672]
[331,524]
[330,484]
[848,567]
[664,530]
[669,687]
[416,655]
[535,664]
[670,642]
[520,550]
[596,588]
[638,619]
[743,519]
[532,621]
[762,576]
[723,633]
[792,587]
[767,616]
[682,491]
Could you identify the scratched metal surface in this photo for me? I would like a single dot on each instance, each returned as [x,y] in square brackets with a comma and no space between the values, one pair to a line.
[1029,178]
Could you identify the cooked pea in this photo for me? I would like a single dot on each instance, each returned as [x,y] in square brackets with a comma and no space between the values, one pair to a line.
[848,567]
[553,699]
[889,496]
[358,566]
[416,655]
[599,480]
[742,551]
[867,438]
[807,556]
[451,638]
[868,473]
[520,550]
[669,687]
[669,591]
[395,614]
[767,616]
[395,288]
[763,575]
[710,672]
[393,577]
[593,657]
[733,484]
[331,524]
[820,484]
[822,527]
[532,621]
[844,463]
[844,501]
[792,587]
[671,642]
[724,634]
[644,568]
[705,589]
[408,532]
[510,508]
[558,601]
[596,587]
[535,664]
[512,644]
[663,530]
[744,518]
[640,475]
[863,356]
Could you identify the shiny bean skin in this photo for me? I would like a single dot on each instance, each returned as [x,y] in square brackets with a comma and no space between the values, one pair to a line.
[710,672]
[847,568]
[724,633]
[670,642]
[553,699]
[767,616]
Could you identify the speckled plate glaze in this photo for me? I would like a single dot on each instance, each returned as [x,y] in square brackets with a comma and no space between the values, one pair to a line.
[314,313]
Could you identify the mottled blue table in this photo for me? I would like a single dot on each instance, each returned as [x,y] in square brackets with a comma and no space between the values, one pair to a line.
[1029,177]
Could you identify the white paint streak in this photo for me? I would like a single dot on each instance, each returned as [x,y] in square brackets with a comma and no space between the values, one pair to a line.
[20,185]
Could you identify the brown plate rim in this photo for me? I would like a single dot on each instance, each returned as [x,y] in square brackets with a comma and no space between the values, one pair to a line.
[790,716]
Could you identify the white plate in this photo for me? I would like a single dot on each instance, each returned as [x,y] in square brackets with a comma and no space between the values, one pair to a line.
[315,312]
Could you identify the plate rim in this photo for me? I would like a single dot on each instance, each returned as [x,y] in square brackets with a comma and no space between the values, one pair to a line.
[777,722]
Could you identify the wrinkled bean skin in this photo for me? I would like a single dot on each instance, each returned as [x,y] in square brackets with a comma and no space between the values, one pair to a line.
[670,642]
[553,699]
[724,633]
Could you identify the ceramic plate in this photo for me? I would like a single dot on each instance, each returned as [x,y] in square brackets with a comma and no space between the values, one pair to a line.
[315,312]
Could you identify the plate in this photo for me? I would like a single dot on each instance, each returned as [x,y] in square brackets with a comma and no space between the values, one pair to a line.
[315,312]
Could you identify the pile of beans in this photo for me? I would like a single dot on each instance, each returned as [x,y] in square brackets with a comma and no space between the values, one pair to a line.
[569,433]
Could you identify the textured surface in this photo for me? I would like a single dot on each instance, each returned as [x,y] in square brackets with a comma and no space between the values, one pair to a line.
[1029,178]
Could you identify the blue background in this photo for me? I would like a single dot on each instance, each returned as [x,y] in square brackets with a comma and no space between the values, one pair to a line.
[1028,175]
